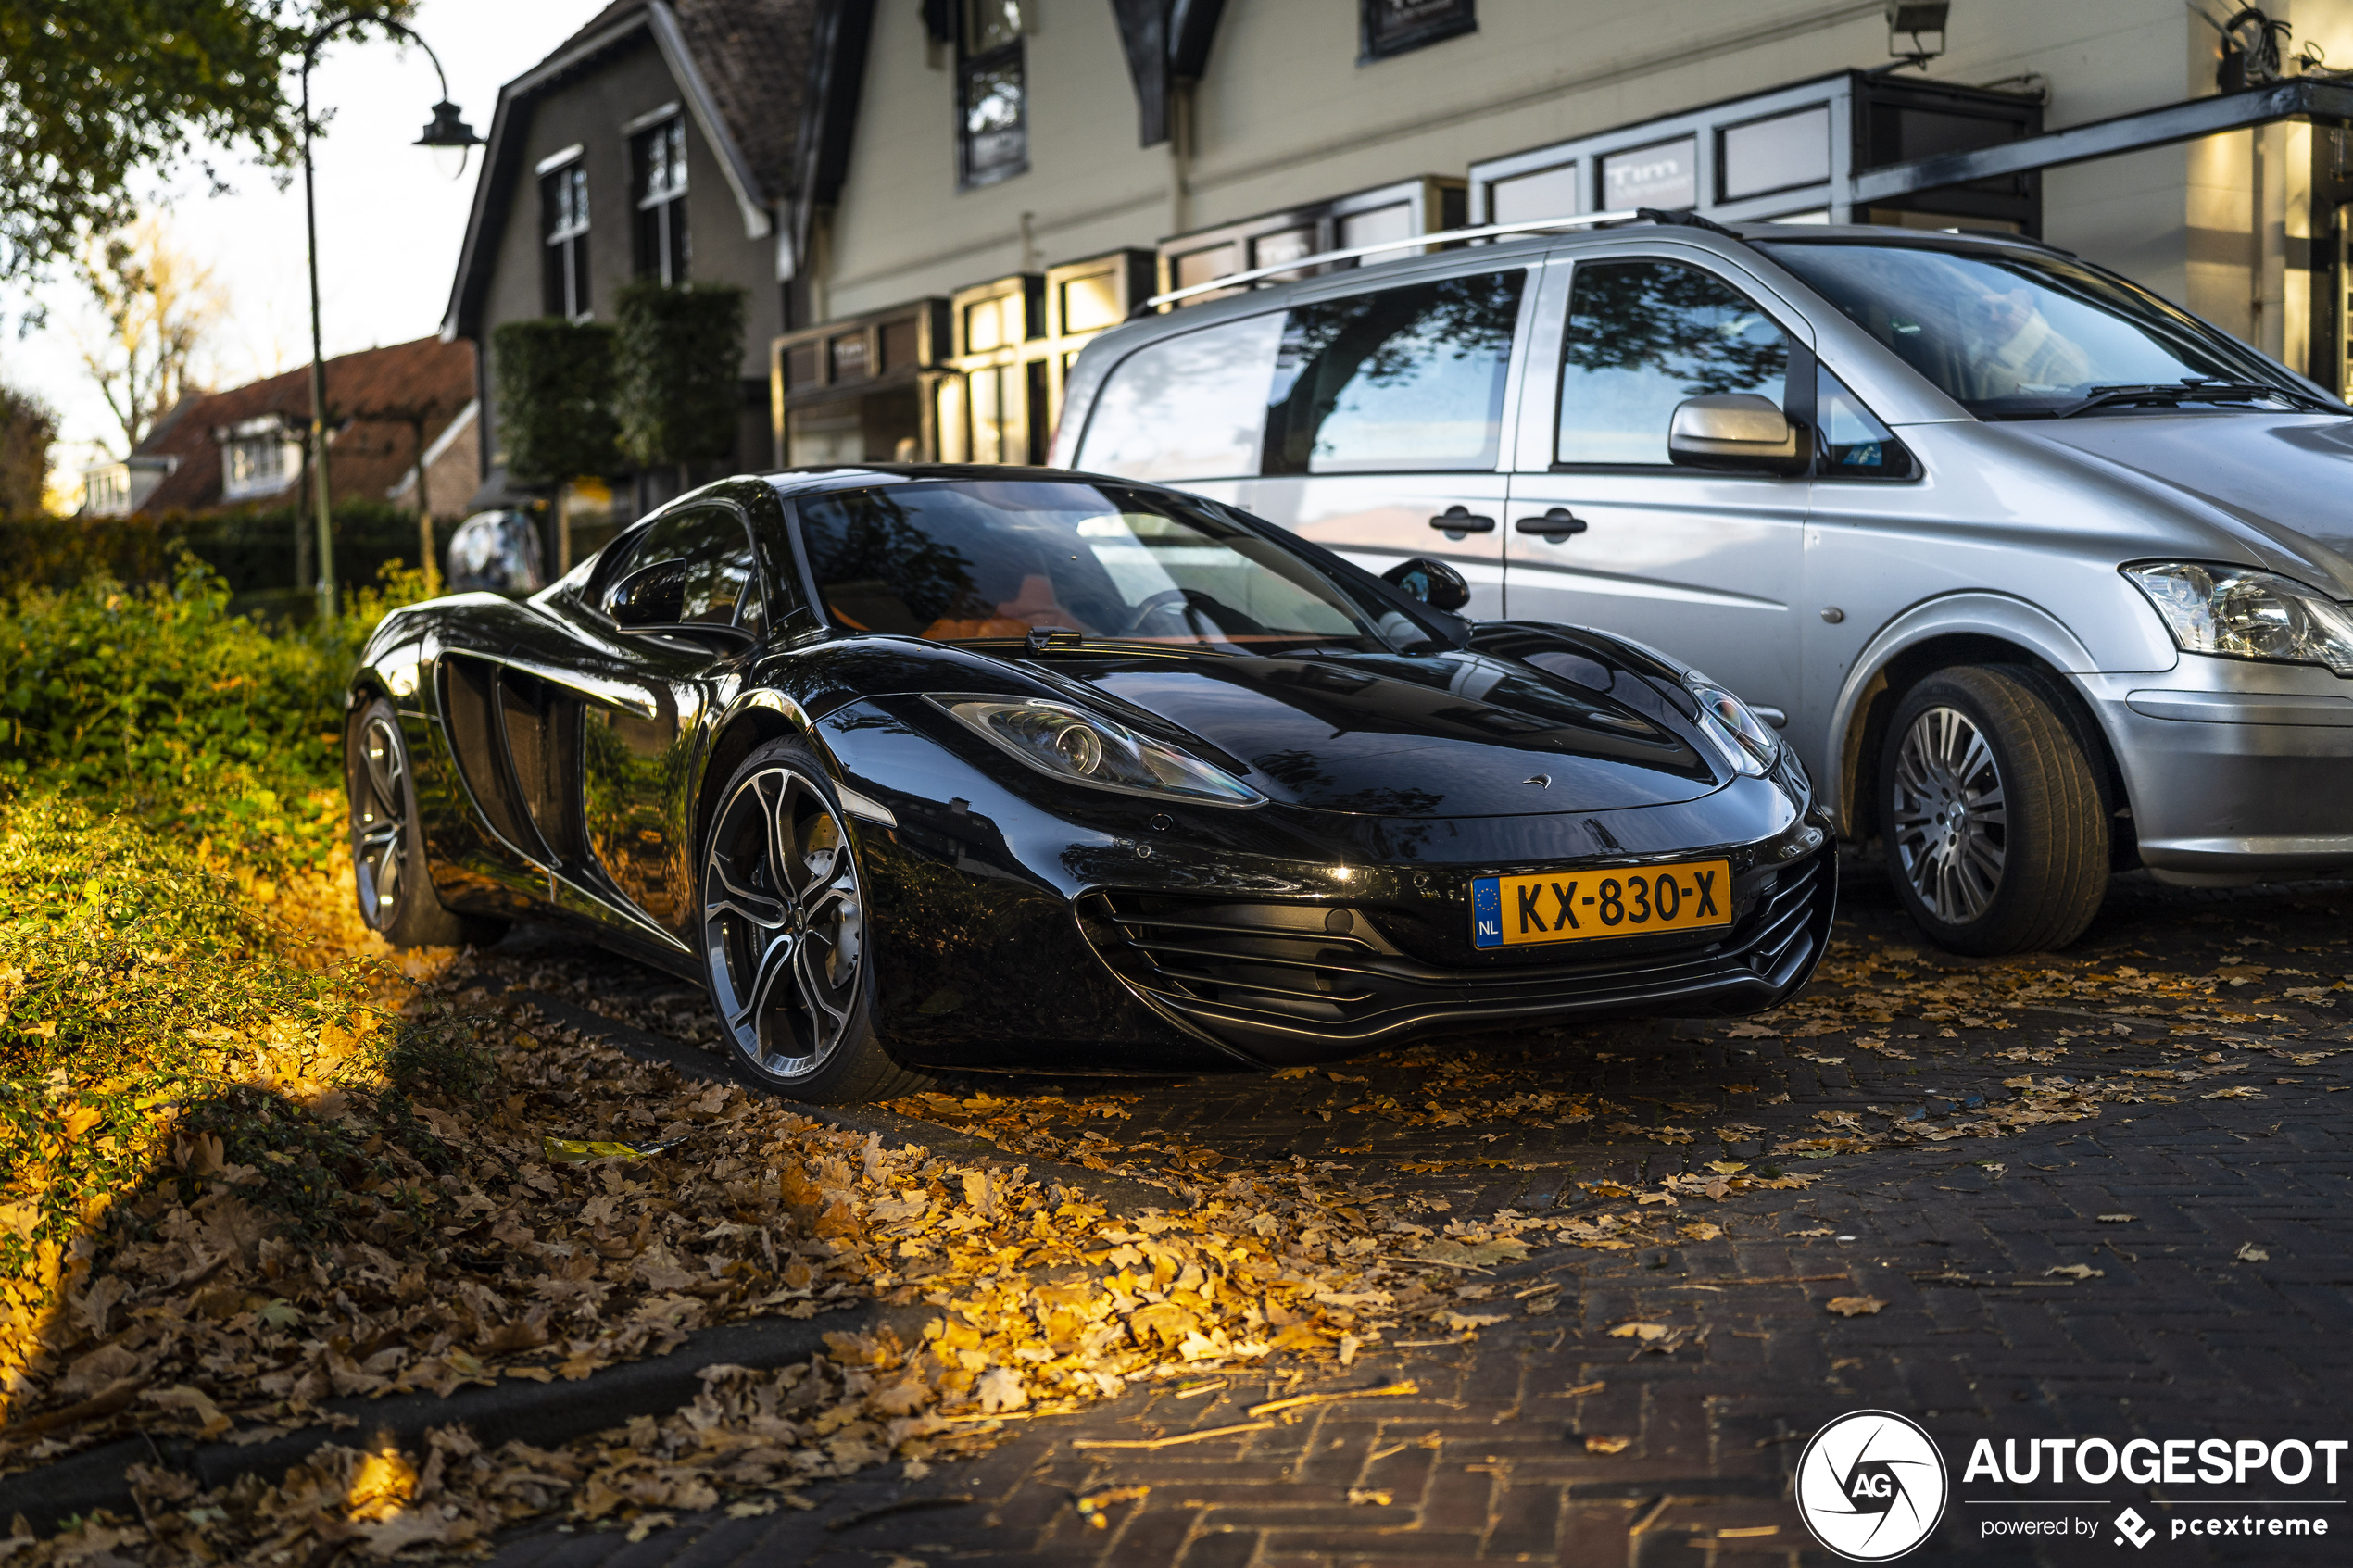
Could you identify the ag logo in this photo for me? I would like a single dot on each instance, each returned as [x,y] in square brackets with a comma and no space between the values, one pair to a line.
[1870,1485]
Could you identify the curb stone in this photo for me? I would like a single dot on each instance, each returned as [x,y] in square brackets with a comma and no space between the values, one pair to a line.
[543,1415]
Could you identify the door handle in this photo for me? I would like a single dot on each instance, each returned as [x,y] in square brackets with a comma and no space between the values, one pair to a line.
[1555,526]
[1459,520]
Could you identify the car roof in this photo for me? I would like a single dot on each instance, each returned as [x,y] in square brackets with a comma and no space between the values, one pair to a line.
[1735,241]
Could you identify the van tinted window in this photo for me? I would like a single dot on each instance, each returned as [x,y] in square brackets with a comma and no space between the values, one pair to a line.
[1403,377]
[1645,335]
[1190,407]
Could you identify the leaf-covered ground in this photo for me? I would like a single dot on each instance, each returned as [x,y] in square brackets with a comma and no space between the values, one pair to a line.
[256,1162]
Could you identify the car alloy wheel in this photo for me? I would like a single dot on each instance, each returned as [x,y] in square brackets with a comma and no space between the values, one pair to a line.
[784,924]
[1951,819]
[380,821]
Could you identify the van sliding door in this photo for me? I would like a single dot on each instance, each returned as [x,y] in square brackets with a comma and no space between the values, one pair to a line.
[1385,424]
[1603,531]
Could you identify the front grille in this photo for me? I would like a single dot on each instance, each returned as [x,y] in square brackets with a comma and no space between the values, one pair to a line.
[1251,971]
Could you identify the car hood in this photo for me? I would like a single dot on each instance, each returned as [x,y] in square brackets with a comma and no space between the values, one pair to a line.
[2283,478]
[1459,734]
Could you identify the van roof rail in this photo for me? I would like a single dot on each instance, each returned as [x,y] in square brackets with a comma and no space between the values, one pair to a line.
[1443,237]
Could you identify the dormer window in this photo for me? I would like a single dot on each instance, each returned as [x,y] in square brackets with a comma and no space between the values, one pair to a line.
[258,457]
[993,99]
[660,157]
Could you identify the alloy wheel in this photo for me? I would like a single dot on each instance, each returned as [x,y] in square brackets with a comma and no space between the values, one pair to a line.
[1951,821]
[380,822]
[784,924]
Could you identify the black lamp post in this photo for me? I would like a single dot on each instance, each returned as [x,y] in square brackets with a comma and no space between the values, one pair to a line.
[447,130]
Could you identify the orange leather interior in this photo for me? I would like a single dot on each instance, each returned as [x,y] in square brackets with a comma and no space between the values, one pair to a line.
[1032,607]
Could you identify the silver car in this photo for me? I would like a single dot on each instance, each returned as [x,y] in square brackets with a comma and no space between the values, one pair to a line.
[2042,577]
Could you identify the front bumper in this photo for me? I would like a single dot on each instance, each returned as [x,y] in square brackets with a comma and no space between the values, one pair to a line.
[1163,936]
[1289,984]
[2237,771]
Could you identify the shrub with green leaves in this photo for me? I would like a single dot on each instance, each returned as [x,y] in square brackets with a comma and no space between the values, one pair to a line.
[553,383]
[165,702]
[678,371]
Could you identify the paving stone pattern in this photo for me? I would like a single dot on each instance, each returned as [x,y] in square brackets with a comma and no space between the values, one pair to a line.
[1509,1449]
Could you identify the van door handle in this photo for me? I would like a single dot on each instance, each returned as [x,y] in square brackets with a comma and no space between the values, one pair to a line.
[1459,520]
[1555,526]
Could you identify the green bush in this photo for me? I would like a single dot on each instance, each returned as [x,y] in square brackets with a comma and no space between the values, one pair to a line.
[252,550]
[677,380]
[554,384]
[161,701]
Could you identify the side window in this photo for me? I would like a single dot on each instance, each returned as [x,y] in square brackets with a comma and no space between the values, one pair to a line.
[1405,378]
[1189,407]
[1644,336]
[1854,444]
[714,547]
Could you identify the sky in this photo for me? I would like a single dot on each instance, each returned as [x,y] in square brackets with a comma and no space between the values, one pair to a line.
[390,217]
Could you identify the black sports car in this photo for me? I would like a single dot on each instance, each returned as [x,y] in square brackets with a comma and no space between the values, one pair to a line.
[959,767]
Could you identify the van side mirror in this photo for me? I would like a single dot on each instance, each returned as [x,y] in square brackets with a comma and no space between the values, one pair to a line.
[651,595]
[1433,582]
[1735,432]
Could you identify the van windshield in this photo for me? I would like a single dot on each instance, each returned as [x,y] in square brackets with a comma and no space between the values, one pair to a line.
[2009,335]
[978,561]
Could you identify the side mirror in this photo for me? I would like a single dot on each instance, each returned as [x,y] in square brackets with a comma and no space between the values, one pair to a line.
[651,595]
[1433,582]
[1735,432]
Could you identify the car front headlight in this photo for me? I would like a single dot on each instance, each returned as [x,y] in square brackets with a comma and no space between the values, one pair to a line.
[1080,748]
[2236,613]
[1735,730]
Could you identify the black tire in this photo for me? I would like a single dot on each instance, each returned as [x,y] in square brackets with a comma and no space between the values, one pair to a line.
[395,888]
[2024,876]
[786,958]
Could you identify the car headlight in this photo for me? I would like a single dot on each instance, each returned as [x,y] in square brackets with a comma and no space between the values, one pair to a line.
[1736,731]
[2238,613]
[1083,748]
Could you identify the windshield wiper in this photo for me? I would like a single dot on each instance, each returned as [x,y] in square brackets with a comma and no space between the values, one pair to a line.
[1045,640]
[2190,391]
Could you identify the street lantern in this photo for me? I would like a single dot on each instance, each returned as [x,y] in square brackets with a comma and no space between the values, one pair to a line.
[448,132]
[446,129]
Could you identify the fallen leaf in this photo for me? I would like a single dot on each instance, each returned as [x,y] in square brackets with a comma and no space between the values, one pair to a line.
[1855,1306]
[1597,1444]
[1644,1331]
[2251,1253]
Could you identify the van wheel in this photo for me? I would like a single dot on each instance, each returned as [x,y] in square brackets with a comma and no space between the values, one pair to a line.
[1990,813]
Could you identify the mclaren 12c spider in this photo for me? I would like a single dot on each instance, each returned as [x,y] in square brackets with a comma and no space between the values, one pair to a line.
[947,767]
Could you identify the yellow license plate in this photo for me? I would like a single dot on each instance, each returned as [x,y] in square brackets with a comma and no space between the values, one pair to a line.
[1577,906]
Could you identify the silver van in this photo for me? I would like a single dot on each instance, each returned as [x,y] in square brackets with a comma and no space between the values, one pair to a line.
[2042,576]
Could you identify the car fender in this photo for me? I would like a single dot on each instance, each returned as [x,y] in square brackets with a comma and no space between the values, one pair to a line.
[1974,613]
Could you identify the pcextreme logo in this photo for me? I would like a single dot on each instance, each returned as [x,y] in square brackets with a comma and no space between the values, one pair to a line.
[1871,1486]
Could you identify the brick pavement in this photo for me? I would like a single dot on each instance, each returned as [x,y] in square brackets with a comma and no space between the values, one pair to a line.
[2175,1336]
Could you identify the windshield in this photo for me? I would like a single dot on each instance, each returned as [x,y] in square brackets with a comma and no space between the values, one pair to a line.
[970,561]
[2017,337]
